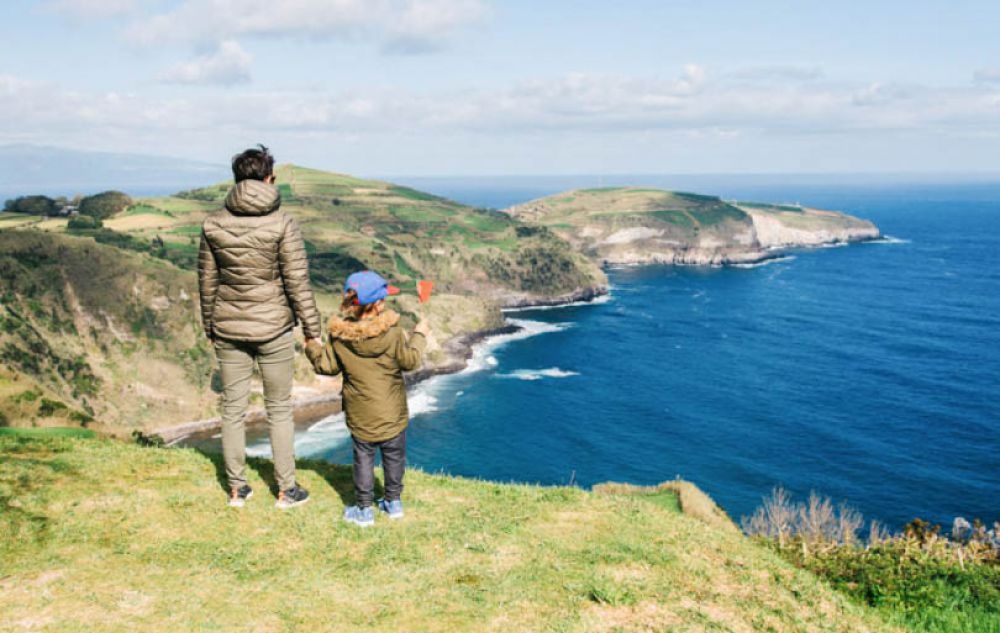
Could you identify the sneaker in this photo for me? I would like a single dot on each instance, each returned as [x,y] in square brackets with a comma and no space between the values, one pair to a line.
[294,496]
[362,517]
[238,496]
[393,508]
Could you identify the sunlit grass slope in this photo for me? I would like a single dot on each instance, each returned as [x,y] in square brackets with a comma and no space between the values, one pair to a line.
[97,535]
[403,233]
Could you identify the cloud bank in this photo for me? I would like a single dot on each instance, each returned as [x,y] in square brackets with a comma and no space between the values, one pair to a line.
[227,65]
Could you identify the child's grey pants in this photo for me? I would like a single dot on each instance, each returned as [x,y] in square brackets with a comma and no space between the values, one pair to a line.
[393,467]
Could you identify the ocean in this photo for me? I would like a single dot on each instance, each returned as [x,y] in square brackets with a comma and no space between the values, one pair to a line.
[867,373]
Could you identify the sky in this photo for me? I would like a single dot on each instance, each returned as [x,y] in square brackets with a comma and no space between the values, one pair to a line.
[493,87]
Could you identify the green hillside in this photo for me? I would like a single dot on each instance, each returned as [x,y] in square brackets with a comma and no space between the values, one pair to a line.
[110,338]
[106,536]
[403,233]
[641,225]
[101,327]
[94,335]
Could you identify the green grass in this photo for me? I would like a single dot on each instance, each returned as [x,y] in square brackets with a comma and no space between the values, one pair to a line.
[98,536]
[926,592]
[413,194]
[717,214]
[145,209]
[676,217]
[192,229]
[46,432]
[404,268]
[666,499]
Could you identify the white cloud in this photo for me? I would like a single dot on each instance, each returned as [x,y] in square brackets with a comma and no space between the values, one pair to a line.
[228,65]
[423,25]
[705,109]
[400,25]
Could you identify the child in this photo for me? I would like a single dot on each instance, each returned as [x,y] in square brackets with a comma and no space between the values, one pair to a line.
[369,347]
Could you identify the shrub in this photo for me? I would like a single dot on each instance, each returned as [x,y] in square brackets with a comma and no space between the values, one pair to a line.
[84,223]
[32,205]
[925,580]
[104,205]
[50,407]
[815,523]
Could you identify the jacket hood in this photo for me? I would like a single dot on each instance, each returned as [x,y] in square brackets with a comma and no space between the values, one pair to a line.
[253,197]
[363,335]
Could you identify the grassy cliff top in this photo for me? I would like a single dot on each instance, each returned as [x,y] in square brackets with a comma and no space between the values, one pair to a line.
[101,535]
[684,210]
[588,205]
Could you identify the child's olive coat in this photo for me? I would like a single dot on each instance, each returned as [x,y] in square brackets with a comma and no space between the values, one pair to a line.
[372,354]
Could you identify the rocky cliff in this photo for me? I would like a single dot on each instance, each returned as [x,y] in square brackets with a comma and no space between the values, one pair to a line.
[631,225]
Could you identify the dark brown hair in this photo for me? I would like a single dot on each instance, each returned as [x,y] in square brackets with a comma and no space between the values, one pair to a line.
[350,309]
[253,164]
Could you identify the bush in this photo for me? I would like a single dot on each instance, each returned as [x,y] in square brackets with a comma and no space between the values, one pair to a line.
[84,222]
[920,578]
[50,407]
[32,205]
[104,205]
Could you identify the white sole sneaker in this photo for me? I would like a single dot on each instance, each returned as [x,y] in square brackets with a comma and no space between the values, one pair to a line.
[236,502]
[281,504]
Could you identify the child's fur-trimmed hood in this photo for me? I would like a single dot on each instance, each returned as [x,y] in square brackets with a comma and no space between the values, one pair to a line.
[362,329]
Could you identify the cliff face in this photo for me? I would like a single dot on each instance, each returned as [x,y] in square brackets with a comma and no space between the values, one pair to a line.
[777,228]
[631,225]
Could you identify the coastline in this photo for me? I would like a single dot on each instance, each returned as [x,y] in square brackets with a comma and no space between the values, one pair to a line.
[460,349]
[740,258]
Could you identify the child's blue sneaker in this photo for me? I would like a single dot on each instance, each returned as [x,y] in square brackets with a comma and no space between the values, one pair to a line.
[393,508]
[362,517]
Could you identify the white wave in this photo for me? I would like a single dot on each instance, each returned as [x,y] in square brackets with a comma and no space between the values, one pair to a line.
[421,401]
[888,239]
[482,353]
[538,374]
[323,434]
[596,301]
[766,262]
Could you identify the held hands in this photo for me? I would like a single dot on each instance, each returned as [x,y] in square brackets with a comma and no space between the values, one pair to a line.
[314,348]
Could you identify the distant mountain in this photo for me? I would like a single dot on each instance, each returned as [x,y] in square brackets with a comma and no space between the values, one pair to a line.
[29,169]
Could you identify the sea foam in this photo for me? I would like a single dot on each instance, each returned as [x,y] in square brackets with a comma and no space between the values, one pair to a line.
[538,374]
[596,301]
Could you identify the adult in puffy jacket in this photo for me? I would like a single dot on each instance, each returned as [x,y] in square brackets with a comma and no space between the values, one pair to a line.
[254,283]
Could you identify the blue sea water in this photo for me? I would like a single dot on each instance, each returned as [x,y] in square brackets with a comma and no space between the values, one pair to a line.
[868,373]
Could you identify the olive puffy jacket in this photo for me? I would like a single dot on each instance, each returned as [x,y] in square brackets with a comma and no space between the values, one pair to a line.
[372,354]
[253,274]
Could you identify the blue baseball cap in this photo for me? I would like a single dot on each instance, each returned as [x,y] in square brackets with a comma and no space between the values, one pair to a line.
[370,287]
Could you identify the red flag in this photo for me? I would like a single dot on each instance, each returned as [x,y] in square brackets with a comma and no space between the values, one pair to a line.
[424,288]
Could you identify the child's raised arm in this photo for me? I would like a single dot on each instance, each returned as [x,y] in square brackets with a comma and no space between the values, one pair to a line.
[409,352]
